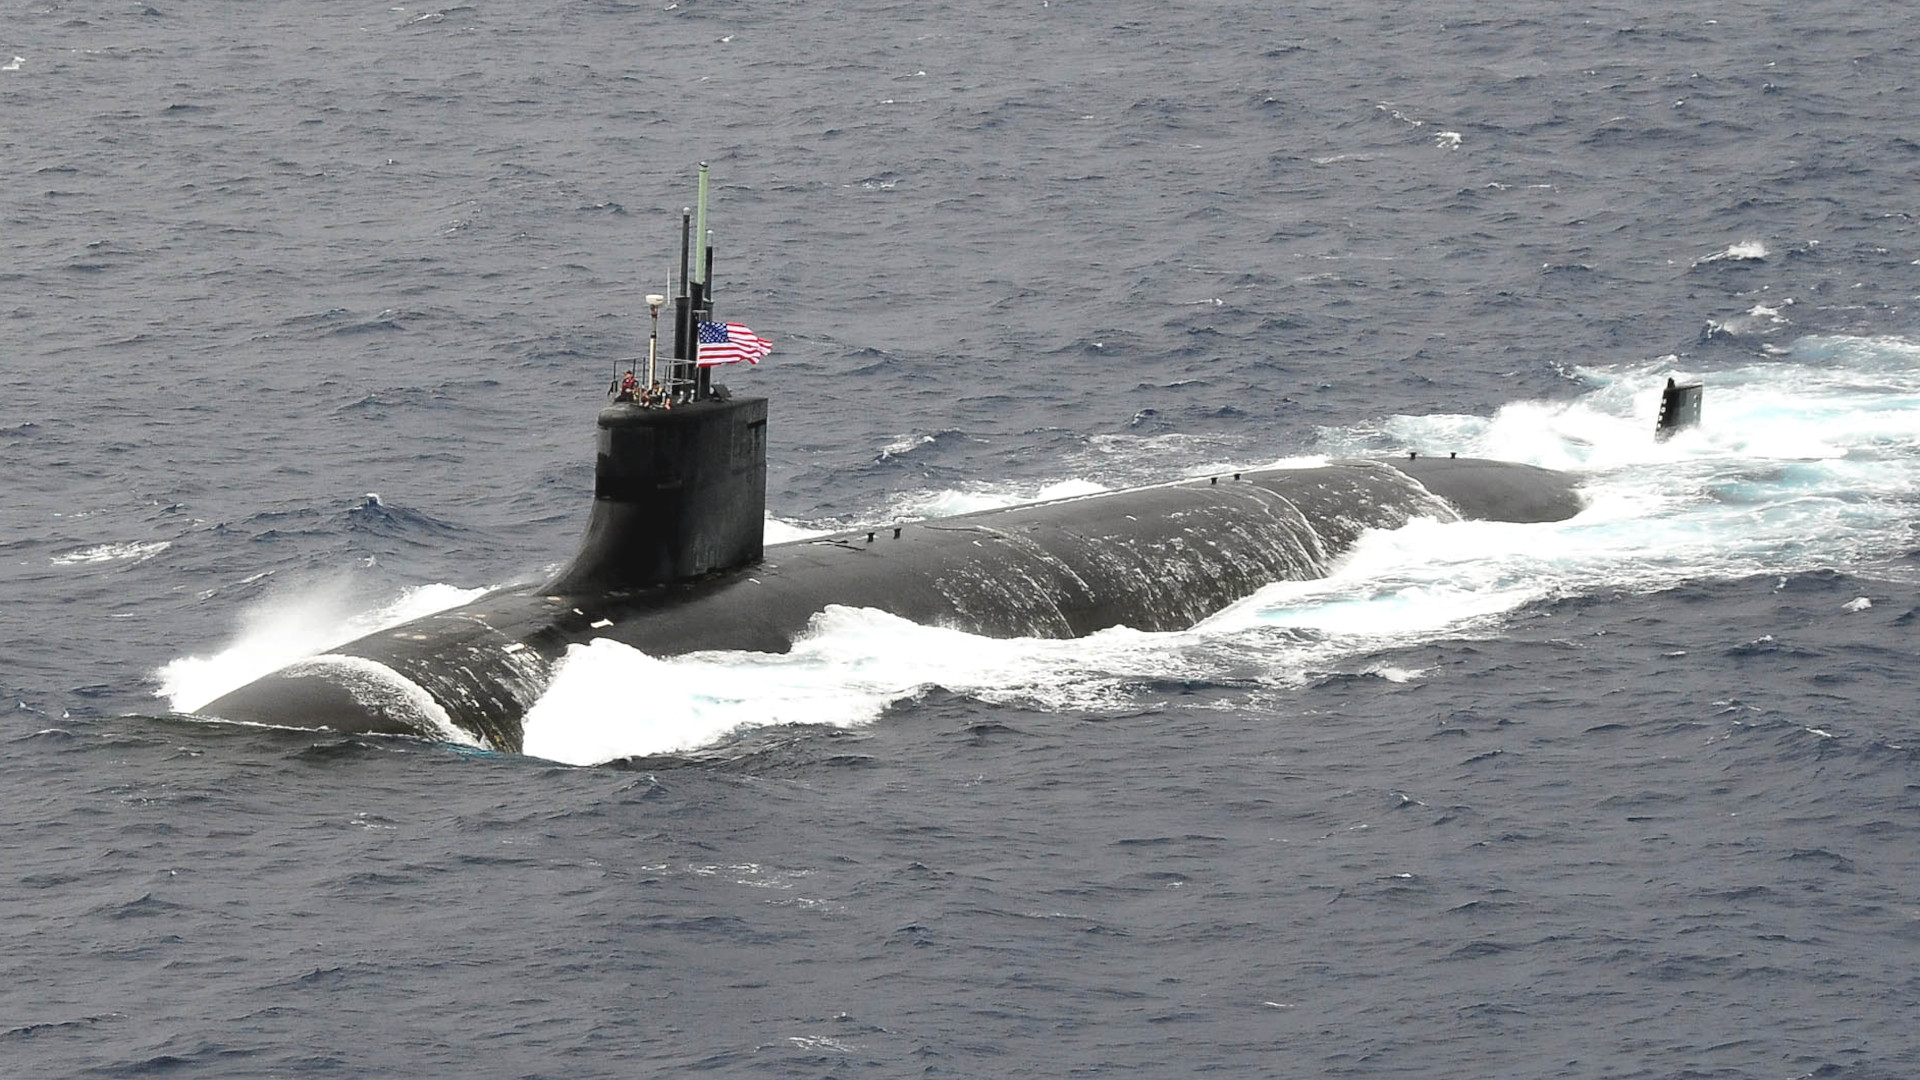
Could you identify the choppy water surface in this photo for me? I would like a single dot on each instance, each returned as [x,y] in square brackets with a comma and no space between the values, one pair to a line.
[309,309]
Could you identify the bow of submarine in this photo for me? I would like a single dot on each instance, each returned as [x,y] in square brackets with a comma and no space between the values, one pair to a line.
[308,699]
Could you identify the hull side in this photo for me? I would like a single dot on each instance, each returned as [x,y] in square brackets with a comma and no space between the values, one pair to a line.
[1157,559]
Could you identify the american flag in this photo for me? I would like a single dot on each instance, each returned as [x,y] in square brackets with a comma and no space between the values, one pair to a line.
[730,343]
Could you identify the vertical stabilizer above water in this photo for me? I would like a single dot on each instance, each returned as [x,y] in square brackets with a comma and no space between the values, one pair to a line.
[1679,409]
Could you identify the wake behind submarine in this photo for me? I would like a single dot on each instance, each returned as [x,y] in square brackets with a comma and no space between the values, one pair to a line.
[673,559]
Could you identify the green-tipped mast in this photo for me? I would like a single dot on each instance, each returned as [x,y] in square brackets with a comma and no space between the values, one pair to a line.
[684,379]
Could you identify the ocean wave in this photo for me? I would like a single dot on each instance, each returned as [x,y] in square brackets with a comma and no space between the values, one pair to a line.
[133,550]
[1745,251]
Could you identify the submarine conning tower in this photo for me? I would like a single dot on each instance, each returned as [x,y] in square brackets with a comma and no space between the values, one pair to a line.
[677,493]
[680,478]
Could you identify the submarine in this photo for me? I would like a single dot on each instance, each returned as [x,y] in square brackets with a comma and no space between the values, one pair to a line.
[673,559]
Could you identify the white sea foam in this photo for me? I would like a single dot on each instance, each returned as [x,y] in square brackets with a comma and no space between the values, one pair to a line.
[1745,251]
[906,444]
[1759,319]
[785,532]
[285,630]
[609,700]
[948,502]
[105,553]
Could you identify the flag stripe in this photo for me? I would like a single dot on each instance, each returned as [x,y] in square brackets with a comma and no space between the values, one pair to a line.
[730,343]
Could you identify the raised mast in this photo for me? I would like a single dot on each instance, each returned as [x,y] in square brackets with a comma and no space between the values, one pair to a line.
[683,313]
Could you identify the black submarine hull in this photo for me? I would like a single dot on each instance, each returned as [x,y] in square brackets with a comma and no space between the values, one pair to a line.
[1157,559]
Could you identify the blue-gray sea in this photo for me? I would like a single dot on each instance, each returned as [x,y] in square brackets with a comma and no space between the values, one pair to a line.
[306,310]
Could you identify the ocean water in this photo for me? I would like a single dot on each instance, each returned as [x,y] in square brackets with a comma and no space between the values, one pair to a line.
[308,310]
